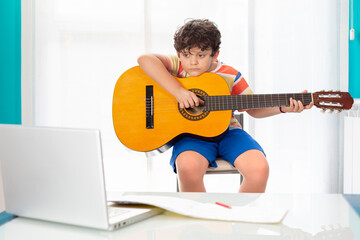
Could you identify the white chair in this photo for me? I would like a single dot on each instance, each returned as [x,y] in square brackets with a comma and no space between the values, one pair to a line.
[224,167]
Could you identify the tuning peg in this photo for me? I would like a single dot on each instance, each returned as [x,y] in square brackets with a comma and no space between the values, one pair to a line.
[323,110]
[330,90]
[338,111]
[331,110]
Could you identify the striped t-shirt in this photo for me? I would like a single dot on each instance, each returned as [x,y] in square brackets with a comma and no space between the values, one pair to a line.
[234,79]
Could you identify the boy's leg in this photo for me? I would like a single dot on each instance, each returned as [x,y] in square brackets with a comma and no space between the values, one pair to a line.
[254,167]
[191,168]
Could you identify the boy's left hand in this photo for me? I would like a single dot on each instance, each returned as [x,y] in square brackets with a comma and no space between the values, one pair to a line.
[296,106]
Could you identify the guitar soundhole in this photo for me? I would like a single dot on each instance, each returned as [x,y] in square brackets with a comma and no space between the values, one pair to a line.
[196,113]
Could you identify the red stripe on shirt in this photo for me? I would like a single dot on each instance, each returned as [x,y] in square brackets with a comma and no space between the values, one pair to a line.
[239,87]
[227,69]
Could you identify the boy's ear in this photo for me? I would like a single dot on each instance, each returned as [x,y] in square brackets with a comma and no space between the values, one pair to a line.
[214,58]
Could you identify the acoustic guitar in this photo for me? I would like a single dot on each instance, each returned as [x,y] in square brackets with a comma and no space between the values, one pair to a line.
[147,117]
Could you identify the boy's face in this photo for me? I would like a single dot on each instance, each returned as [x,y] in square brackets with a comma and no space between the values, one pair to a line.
[195,62]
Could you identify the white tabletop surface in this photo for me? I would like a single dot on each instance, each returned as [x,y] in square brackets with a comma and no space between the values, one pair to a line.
[315,216]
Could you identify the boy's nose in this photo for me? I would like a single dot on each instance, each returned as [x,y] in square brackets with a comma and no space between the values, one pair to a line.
[194,60]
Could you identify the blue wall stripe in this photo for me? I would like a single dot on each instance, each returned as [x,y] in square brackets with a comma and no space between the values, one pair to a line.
[5,217]
[354,52]
[10,61]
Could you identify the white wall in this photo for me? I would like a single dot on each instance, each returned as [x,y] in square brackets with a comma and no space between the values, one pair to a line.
[2,200]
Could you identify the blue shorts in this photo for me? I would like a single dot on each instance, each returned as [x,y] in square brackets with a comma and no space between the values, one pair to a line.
[235,142]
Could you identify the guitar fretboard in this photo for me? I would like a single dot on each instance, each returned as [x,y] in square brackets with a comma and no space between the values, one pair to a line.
[253,101]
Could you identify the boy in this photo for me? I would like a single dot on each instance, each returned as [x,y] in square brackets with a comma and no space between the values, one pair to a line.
[197,44]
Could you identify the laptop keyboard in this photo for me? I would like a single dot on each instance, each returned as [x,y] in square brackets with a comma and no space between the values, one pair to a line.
[114,212]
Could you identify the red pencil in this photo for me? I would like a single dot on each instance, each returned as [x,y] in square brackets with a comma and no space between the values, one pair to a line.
[223,205]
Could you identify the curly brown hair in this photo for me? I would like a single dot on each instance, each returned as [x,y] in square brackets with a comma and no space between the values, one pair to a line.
[200,33]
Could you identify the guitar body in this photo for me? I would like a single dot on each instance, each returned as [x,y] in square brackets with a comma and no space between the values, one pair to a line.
[144,124]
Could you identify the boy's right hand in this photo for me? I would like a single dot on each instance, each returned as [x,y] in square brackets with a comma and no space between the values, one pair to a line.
[157,68]
[187,98]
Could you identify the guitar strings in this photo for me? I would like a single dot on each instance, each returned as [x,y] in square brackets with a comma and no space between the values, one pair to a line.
[253,97]
[225,102]
[235,97]
[230,102]
[231,98]
[170,104]
[174,107]
[213,100]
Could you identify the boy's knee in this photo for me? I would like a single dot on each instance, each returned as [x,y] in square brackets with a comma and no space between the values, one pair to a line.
[256,169]
[262,170]
[188,173]
[259,172]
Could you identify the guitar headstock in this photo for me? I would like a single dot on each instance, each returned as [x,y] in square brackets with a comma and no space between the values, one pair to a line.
[333,100]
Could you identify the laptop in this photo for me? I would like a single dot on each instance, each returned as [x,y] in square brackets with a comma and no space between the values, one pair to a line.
[56,174]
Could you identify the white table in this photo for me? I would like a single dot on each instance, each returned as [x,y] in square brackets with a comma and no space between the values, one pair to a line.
[317,216]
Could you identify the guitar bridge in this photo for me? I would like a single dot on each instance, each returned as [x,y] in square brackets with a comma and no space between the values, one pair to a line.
[149,105]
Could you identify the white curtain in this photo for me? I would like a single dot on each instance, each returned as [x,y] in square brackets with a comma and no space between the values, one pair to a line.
[296,47]
[81,47]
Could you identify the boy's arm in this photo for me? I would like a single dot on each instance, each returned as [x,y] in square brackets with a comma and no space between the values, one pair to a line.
[156,67]
[295,106]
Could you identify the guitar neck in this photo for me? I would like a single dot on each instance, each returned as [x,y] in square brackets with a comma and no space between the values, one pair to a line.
[253,101]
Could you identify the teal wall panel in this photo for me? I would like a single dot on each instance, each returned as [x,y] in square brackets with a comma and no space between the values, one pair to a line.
[354,52]
[10,61]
